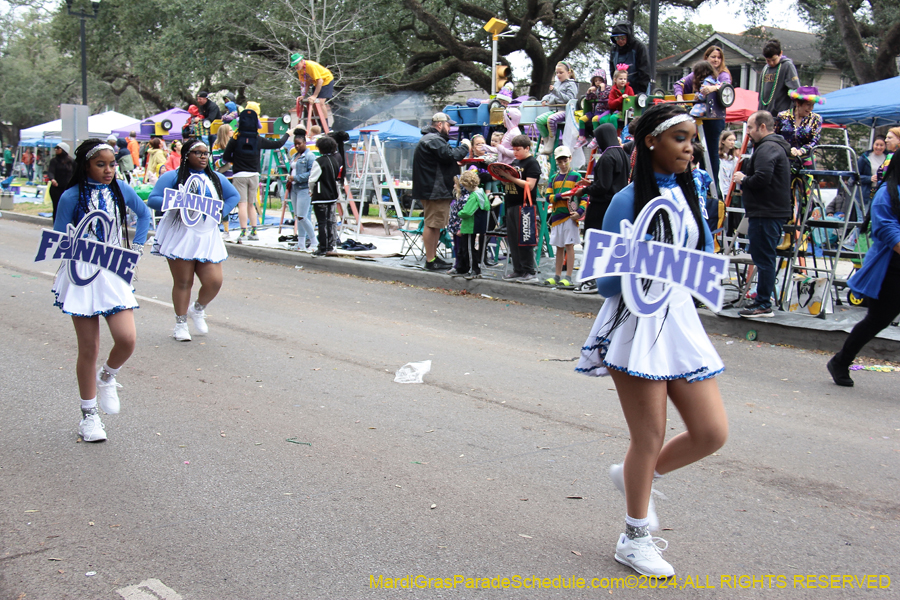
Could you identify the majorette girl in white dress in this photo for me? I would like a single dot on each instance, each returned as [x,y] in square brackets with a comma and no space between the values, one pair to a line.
[94,187]
[667,355]
[192,249]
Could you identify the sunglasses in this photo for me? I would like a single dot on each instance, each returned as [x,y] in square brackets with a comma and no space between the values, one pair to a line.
[199,153]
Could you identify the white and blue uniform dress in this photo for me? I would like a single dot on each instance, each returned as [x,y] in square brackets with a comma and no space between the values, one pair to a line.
[669,345]
[176,240]
[108,293]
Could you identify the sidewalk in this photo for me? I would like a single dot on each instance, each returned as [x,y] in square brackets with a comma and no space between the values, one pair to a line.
[385,264]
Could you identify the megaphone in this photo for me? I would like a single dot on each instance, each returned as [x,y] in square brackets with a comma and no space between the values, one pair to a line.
[283,124]
[162,127]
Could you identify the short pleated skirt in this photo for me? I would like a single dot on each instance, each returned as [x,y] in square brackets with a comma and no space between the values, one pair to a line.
[175,240]
[104,296]
[670,345]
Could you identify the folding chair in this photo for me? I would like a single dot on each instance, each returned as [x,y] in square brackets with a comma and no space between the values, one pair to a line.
[412,229]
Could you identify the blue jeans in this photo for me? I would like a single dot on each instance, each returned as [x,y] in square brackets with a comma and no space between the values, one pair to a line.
[764,235]
[302,212]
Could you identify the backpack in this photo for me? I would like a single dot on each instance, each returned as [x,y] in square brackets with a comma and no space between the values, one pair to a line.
[248,134]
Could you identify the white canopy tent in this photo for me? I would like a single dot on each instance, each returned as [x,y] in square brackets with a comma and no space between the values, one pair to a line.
[101,125]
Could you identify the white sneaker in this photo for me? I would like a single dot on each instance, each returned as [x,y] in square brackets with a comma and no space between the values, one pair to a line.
[643,555]
[199,319]
[91,429]
[181,332]
[108,394]
[617,474]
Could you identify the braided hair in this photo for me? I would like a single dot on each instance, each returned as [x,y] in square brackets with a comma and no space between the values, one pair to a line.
[644,179]
[646,189]
[184,170]
[80,180]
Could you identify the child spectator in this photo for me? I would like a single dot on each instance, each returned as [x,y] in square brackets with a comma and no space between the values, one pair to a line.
[524,269]
[566,90]
[460,195]
[596,106]
[728,155]
[503,148]
[620,88]
[778,77]
[473,226]
[564,215]
[231,108]
[702,179]
[703,76]
[324,191]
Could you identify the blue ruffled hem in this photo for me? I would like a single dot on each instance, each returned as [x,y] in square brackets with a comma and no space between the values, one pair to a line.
[203,260]
[603,344]
[688,376]
[99,313]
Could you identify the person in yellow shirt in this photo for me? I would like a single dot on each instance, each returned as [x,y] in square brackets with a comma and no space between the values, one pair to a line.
[312,74]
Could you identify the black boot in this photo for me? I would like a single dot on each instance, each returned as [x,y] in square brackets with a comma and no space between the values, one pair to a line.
[840,373]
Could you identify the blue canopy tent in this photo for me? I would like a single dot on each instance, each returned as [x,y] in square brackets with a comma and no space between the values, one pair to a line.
[398,139]
[871,104]
[391,132]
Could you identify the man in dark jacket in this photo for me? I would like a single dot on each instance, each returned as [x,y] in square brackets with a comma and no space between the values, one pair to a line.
[610,176]
[765,182]
[210,111]
[435,164]
[632,52]
[59,171]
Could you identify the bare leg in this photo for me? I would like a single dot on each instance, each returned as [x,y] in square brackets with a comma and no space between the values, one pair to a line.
[701,408]
[242,214]
[210,275]
[87,331]
[430,238]
[570,260]
[560,257]
[644,405]
[182,282]
[124,335]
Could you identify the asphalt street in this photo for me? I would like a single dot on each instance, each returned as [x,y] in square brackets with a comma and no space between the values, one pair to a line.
[277,458]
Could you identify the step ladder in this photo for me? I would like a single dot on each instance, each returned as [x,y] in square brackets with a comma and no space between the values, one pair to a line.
[376,176]
[316,114]
[815,231]
[278,168]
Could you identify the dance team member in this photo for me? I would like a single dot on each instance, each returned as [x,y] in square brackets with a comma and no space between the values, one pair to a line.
[665,355]
[193,250]
[94,187]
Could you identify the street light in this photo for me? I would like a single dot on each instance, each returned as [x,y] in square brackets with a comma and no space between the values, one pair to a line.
[494,27]
[95,5]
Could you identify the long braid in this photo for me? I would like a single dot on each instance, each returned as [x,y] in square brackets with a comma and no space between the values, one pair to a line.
[184,172]
[646,189]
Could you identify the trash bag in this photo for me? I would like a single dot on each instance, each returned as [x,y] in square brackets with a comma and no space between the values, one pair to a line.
[412,372]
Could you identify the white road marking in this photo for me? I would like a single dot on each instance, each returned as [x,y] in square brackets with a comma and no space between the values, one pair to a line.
[46,273]
[154,301]
[158,589]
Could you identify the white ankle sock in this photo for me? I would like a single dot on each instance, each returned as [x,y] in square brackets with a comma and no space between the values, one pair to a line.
[88,404]
[108,369]
[637,522]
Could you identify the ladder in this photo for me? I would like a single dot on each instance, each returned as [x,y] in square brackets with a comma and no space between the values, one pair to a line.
[278,168]
[816,231]
[312,111]
[375,170]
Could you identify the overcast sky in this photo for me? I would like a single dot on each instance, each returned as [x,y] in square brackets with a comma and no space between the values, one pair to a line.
[726,16]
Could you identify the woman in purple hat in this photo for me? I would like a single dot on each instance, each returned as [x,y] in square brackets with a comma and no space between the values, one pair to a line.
[799,125]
